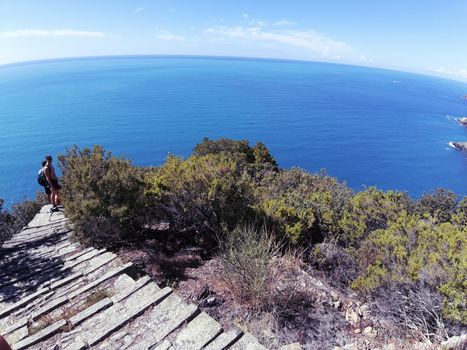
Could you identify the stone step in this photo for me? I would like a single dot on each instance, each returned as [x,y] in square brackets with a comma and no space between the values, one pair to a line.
[165,318]
[90,311]
[85,264]
[24,301]
[17,264]
[224,340]
[247,342]
[100,280]
[99,327]
[39,336]
[199,332]
[94,263]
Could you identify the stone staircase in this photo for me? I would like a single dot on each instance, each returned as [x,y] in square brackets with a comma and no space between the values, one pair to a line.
[56,294]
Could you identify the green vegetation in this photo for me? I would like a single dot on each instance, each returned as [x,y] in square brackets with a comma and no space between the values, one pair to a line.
[19,216]
[230,195]
[103,195]
[367,240]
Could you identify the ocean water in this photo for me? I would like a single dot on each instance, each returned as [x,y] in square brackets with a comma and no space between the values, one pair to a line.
[365,126]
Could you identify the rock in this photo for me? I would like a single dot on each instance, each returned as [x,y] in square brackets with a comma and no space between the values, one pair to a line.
[346,347]
[459,145]
[462,121]
[351,315]
[455,343]
[357,331]
[367,330]
[390,346]
[337,304]
[294,346]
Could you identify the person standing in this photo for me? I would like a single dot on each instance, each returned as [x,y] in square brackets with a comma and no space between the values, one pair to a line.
[44,183]
[52,179]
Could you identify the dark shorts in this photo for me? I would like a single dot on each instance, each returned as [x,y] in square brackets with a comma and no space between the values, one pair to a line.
[56,185]
[47,190]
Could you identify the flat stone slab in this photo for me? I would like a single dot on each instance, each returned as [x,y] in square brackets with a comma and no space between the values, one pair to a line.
[163,320]
[39,336]
[44,219]
[98,328]
[90,311]
[247,342]
[224,340]
[200,331]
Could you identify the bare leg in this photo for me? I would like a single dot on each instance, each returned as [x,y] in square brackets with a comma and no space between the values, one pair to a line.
[54,197]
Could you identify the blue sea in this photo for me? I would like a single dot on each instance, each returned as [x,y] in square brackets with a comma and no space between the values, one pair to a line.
[365,126]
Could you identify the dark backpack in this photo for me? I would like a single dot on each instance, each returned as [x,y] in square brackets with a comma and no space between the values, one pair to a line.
[41,179]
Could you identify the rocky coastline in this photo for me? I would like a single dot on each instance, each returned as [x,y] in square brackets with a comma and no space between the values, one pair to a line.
[459,145]
[462,121]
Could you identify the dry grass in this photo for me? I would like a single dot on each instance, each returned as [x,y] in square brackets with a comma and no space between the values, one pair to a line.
[95,297]
[246,257]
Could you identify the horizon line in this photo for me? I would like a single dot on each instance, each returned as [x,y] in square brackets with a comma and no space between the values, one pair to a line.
[77,58]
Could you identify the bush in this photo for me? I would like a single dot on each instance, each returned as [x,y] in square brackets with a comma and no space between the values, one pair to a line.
[340,266]
[371,210]
[6,224]
[413,306]
[257,161]
[102,191]
[22,213]
[246,257]
[207,194]
[25,211]
[304,207]
[441,204]
[412,249]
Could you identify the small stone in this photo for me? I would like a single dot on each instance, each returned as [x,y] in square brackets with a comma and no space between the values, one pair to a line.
[293,346]
[367,330]
[454,343]
[390,346]
[336,304]
[357,331]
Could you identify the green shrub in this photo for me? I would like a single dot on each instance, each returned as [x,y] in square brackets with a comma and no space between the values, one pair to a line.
[441,204]
[22,213]
[25,211]
[303,207]
[257,161]
[6,224]
[371,210]
[419,250]
[207,194]
[102,191]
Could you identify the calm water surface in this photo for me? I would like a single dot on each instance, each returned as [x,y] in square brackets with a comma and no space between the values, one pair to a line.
[366,126]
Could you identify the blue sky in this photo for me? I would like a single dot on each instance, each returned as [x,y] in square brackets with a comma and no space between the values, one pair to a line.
[427,36]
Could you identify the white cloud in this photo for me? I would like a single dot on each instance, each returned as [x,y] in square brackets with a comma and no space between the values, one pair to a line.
[457,73]
[310,40]
[138,9]
[170,37]
[50,33]
[258,23]
[284,22]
